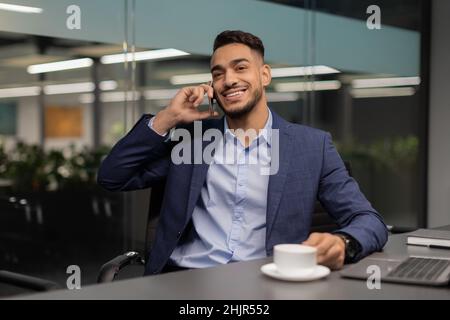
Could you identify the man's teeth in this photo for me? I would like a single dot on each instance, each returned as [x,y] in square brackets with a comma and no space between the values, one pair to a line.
[235,93]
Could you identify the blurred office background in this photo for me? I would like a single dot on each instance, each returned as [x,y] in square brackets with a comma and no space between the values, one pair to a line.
[75,76]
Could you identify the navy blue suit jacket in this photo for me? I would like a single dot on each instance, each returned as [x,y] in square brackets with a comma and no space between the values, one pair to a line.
[310,168]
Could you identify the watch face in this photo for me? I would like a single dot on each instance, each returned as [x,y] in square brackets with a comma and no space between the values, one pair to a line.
[352,249]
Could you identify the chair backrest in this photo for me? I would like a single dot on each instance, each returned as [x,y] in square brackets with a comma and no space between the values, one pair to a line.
[321,220]
[156,198]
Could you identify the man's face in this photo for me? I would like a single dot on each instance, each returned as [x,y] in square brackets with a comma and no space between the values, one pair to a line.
[239,77]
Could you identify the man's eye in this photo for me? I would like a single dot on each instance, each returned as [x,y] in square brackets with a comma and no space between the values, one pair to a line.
[242,68]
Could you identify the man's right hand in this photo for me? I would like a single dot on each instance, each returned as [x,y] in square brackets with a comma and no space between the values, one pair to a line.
[183,108]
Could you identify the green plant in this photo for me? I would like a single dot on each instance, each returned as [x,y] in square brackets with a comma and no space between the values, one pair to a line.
[81,167]
[30,168]
[25,166]
[3,160]
[394,153]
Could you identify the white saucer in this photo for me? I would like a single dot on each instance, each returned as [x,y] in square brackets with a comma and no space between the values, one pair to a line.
[319,271]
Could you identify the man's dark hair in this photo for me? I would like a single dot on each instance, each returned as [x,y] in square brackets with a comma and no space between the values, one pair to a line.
[237,36]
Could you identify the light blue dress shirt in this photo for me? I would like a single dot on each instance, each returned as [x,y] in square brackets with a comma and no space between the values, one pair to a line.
[229,219]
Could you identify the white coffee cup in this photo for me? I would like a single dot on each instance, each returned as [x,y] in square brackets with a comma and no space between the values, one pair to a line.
[293,259]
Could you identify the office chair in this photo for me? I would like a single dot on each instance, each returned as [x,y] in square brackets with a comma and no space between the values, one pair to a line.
[110,270]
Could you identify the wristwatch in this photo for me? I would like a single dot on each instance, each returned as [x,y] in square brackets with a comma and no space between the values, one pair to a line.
[352,246]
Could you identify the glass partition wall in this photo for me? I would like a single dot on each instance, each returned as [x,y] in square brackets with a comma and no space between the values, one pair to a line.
[64,101]
[375,104]
[331,67]
[378,116]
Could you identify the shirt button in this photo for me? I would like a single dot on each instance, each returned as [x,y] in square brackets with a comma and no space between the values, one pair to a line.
[178,234]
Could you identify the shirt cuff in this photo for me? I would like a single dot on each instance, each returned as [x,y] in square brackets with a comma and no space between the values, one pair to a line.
[150,125]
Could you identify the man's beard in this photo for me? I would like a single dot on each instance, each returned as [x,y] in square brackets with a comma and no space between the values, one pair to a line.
[234,114]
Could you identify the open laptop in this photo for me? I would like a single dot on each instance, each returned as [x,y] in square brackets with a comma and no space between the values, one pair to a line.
[431,271]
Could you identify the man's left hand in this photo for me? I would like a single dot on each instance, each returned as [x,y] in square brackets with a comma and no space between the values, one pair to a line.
[330,249]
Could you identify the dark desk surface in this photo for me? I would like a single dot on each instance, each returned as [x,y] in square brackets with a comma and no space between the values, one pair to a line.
[243,280]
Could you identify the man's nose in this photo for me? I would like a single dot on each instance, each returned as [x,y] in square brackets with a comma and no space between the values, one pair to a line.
[230,79]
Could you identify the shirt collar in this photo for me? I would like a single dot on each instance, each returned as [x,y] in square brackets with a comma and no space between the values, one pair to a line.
[265,135]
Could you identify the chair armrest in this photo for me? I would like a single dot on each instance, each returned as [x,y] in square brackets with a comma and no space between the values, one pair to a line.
[398,229]
[110,269]
[27,282]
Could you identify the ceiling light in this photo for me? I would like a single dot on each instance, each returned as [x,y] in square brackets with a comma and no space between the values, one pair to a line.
[190,78]
[385,82]
[282,96]
[60,65]
[276,73]
[302,71]
[382,92]
[142,55]
[308,86]
[69,88]
[108,85]
[17,8]
[78,87]
[160,94]
[119,96]
[116,96]
[20,92]
[51,89]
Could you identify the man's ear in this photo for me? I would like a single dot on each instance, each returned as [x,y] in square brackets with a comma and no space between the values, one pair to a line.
[266,75]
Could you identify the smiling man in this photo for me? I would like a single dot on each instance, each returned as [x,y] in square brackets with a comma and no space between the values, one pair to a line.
[215,213]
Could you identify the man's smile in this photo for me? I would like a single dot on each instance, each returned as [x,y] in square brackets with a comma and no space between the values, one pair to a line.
[233,95]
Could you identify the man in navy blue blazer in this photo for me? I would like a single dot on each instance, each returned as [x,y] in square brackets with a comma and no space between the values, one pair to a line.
[254,188]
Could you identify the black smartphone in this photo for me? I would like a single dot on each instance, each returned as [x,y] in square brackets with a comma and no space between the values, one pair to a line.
[212,101]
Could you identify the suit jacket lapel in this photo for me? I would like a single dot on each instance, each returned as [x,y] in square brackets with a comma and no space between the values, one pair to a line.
[199,171]
[277,181]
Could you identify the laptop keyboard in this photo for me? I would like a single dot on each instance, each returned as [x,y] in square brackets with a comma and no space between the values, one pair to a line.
[420,269]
